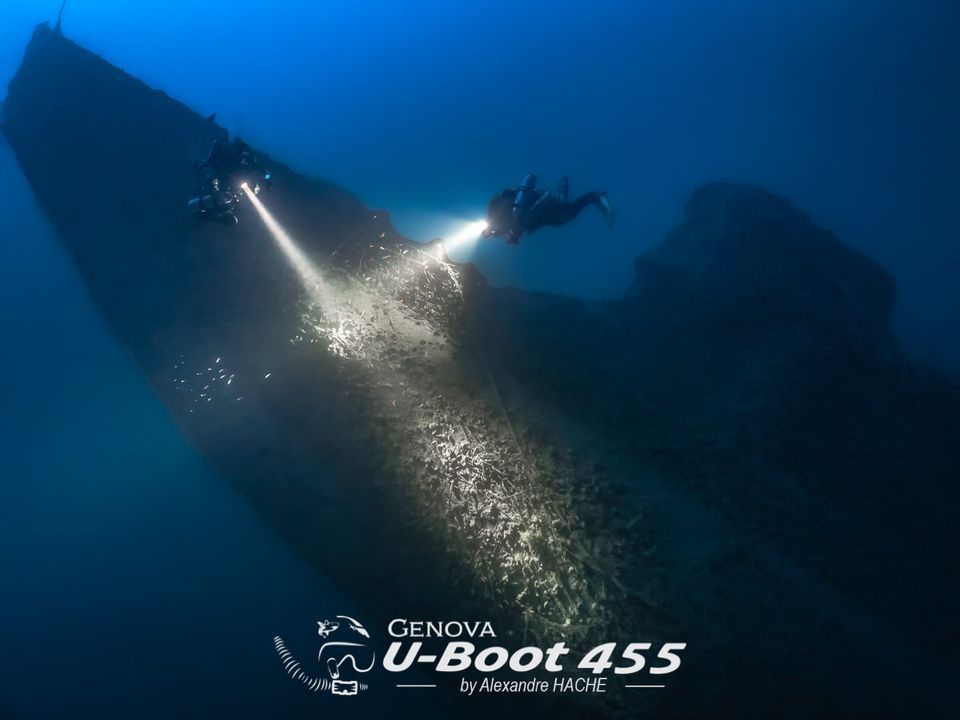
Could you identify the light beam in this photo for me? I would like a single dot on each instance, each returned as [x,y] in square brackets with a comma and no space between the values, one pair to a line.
[459,453]
[312,281]
[467,235]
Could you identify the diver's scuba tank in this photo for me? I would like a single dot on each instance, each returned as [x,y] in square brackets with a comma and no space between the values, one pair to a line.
[524,192]
[521,203]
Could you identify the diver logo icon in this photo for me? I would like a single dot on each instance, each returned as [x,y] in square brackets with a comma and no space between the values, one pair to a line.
[342,643]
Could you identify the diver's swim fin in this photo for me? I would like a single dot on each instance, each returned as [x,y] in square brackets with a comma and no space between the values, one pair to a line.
[59,26]
[606,208]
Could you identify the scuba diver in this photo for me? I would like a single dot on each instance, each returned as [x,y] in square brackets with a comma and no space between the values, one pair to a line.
[515,211]
[215,202]
[224,171]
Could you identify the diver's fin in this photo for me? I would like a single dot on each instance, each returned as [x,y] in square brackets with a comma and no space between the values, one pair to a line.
[59,26]
[606,208]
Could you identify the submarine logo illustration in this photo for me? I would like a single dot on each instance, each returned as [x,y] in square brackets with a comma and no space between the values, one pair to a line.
[344,654]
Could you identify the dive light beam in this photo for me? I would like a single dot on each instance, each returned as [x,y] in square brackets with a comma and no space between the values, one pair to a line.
[309,276]
[469,234]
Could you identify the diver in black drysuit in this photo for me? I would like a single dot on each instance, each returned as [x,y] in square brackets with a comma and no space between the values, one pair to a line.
[225,166]
[215,199]
[524,209]
[221,161]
